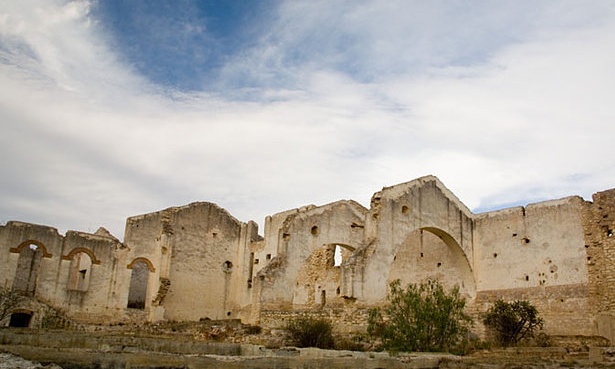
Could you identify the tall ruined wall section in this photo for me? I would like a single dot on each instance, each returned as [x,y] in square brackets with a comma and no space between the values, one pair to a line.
[198,252]
[599,232]
[417,230]
[337,260]
[79,273]
[536,253]
[304,276]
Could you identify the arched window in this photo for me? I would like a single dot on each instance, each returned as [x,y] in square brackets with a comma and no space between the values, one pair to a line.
[27,268]
[80,272]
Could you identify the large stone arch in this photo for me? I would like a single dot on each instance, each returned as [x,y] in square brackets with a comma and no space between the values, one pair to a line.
[430,252]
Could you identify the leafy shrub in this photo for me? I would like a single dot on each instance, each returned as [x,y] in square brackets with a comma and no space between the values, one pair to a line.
[422,317]
[511,322]
[310,332]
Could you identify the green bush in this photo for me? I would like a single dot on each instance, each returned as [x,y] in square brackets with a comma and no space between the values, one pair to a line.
[421,317]
[310,332]
[511,322]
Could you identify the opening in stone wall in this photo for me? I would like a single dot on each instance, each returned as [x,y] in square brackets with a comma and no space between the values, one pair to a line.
[28,265]
[20,320]
[138,285]
[80,271]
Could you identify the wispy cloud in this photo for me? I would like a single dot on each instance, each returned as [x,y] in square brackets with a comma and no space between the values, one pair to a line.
[503,101]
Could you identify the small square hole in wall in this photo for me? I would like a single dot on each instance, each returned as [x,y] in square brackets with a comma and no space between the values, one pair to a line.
[255,261]
[268,257]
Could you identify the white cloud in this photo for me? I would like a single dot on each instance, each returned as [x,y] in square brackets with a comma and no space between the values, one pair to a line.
[347,98]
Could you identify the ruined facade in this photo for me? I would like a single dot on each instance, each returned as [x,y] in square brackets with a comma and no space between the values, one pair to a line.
[197,261]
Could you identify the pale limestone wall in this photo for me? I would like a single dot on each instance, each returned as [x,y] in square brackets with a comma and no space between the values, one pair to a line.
[303,233]
[97,301]
[540,245]
[396,218]
[202,262]
[536,253]
[200,249]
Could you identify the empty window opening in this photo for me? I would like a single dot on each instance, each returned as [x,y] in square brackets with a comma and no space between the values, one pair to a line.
[337,256]
[137,292]
[314,231]
[255,261]
[27,269]
[227,266]
[405,209]
[268,257]
[495,254]
[527,277]
[20,320]
[514,235]
[439,264]
[80,272]
[525,240]
[421,254]
[251,271]
[228,313]
[338,290]
[609,233]
[323,297]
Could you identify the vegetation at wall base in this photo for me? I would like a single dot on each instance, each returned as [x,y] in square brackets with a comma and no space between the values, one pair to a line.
[9,299]
[421,317]
[512,322]
[310,332]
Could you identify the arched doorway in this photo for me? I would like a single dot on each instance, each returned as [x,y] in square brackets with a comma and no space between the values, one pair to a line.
[433,253]
[139,278]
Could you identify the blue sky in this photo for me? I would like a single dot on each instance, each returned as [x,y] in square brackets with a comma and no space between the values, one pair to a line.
[115,108]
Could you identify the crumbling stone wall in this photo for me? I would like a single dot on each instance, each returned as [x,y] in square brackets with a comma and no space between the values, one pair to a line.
[51,273]
[198,252]
[313,229]
[599,234]
[334,260]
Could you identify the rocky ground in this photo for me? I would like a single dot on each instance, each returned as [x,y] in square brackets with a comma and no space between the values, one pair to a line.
[9,361]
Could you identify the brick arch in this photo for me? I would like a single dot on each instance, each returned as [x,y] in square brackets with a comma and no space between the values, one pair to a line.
[27,243]
[149,264]
[77,250]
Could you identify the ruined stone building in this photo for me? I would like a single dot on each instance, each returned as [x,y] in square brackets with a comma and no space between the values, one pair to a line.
[197,261]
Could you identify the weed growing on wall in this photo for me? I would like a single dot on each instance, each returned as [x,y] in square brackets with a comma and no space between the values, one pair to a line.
[9,299]
[511,322]
[310,332]
[421,317]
